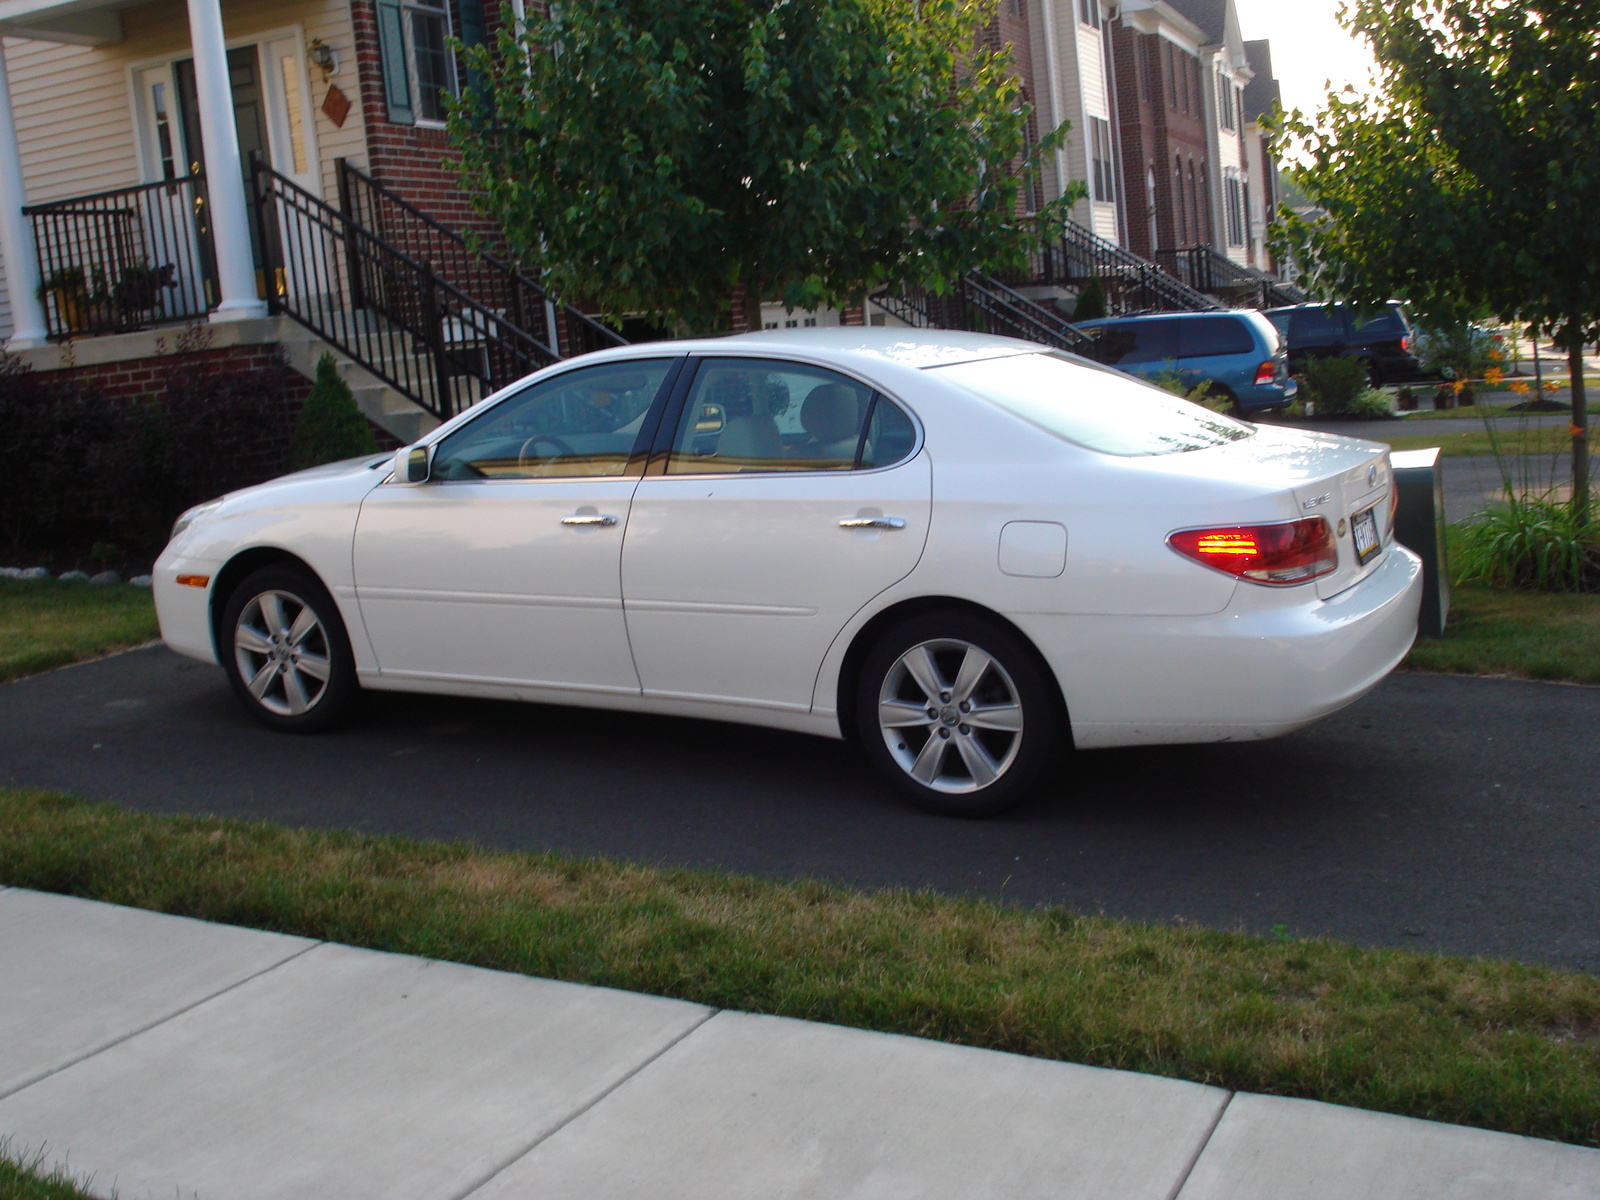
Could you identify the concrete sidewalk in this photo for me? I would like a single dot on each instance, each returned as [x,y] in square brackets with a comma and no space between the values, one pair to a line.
[173,1058]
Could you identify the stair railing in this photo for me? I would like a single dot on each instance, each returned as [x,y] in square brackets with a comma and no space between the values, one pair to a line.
[1131,284]
[1206,270]
[393,314]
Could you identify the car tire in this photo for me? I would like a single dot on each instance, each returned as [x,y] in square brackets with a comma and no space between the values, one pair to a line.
[919,681]
[286,652]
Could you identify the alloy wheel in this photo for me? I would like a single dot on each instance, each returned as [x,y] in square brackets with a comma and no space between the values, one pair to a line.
[950,715]
[282,652]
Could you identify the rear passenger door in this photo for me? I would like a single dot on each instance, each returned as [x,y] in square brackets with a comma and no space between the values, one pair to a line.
[780,499]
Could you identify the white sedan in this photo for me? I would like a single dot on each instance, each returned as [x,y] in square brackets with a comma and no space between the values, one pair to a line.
[964,552]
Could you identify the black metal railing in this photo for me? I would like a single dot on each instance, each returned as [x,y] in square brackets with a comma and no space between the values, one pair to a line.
[121,260]
[1205,270]
[1131,284]
[492,281]
[982,305]
[392,313]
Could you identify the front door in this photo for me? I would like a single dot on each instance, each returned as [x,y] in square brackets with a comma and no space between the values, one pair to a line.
[791,496]
[505,567]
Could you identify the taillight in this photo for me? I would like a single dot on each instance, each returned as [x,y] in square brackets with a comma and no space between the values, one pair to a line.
[1265,373]
[1279,555]
[1405,344]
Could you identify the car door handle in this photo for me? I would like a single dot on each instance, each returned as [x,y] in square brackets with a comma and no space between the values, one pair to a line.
[589,519]
[872,523]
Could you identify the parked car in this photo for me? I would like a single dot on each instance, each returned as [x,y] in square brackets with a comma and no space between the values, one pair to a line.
[1384,341]
[1239,353]
[965,552]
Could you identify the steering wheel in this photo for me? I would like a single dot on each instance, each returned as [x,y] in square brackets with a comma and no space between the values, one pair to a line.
[549,439]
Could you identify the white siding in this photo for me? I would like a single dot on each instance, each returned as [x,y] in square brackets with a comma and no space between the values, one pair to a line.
[74,103]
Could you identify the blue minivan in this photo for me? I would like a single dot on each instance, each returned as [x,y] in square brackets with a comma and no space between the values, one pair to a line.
[1239,352]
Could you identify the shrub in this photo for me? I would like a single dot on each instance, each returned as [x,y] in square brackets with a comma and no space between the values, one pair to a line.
[331,427]
[1334,383]
[1534,544]
[1372,404]
[1204,392]
[1091,305]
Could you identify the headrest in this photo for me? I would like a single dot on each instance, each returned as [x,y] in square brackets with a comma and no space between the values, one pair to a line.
[731,390]
[831,413]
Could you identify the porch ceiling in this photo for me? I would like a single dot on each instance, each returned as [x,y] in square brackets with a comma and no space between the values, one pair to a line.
[81,22]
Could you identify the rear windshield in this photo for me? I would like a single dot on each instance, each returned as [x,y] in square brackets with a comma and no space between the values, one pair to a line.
[1095,408]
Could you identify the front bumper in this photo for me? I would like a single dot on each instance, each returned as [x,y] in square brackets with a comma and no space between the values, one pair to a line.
[184,611]
[1270,663]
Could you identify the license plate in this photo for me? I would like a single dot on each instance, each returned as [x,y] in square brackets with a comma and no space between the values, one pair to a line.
[1364,529]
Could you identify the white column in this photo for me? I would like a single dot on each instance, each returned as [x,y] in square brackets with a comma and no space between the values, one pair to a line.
[230,219]
[16,238]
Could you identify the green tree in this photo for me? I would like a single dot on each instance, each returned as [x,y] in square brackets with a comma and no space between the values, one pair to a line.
[330,427]
[651,155]
[1470,179]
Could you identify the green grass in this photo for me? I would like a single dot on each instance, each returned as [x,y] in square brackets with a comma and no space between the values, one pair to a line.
[1537,439]
[47,623]
[1496,409]
[1528,635]
[24,1177]
[1492,1044]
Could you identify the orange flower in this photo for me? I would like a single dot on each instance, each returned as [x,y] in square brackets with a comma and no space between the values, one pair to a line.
[1578,431]
[1458,385]
[1495,356]
[1550,385]
[1493,376]
[1520,388]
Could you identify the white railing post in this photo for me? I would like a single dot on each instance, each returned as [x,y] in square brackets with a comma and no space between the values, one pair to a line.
[28,326]
[230,218]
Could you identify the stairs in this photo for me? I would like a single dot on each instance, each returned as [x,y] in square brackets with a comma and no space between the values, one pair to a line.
[385,405]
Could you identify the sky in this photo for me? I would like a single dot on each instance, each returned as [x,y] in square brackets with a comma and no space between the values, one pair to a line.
[1309,47]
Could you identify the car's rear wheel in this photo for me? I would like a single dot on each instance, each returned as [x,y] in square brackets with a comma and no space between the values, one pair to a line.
[957,713]
[286,652]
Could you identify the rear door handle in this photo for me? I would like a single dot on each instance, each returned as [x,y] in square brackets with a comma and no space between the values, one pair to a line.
[589,519]
[872,523]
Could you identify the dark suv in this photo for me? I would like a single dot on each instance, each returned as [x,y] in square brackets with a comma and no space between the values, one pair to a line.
[1383,340]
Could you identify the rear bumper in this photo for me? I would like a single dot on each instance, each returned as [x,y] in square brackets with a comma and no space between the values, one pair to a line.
[1266,665]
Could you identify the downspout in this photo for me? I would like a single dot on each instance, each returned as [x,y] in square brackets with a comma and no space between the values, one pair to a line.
[1119,181]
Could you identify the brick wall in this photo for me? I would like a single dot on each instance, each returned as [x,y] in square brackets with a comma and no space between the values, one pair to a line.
[1163,132]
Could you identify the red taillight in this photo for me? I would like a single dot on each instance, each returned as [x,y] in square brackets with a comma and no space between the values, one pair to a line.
[1279,555]
[1405,345]
[1265,373]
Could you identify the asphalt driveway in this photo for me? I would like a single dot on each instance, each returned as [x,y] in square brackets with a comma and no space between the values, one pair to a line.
[1453,814]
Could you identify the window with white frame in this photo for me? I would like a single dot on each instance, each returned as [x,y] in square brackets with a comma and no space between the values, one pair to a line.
[1089,12]
[1224,101]
[1233,197]
[1104,165]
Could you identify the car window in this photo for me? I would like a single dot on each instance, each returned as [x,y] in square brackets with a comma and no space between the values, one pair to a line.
[890,434]
[1128,342]
[1099,410]
[745,414]
[1316,324]
[579,423]
[1385,324]
[1202,337]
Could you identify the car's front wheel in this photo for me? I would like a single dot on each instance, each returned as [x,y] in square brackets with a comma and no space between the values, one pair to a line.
[285,651]
[957,713]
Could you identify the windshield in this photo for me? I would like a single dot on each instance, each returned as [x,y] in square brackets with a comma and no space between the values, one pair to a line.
[1093,407]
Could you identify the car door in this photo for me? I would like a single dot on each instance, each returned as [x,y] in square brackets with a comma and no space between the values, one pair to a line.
[783,498]
[504,567]
[1219,349]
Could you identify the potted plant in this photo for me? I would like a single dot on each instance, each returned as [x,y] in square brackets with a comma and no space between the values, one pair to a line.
[139,288]
[70,288]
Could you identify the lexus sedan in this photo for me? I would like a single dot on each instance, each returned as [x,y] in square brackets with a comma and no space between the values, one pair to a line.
[966,553]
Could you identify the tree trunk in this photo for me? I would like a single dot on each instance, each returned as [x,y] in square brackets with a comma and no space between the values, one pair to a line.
[1580,425]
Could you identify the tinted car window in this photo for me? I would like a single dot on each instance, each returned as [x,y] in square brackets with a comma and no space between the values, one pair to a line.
[745,414]
[1135,342]
[1316,324]
[579,423]
[890,435]
[1200,337]
[1386,324]
[1099,410]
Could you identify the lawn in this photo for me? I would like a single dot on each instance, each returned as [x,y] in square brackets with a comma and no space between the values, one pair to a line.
[1527,635]
[48,623]
[1518,439]
[1493,405]
[1493,1044]
[29,1178]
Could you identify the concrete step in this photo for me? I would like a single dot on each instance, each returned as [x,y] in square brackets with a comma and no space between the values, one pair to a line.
[382,404]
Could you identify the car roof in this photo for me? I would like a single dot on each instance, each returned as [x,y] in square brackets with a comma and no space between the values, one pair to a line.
[875,343]
[1098,322]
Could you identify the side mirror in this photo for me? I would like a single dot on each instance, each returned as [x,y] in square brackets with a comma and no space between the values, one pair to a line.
[412,464]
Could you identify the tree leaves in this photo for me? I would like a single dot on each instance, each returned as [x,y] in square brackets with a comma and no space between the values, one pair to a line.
[649,153]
